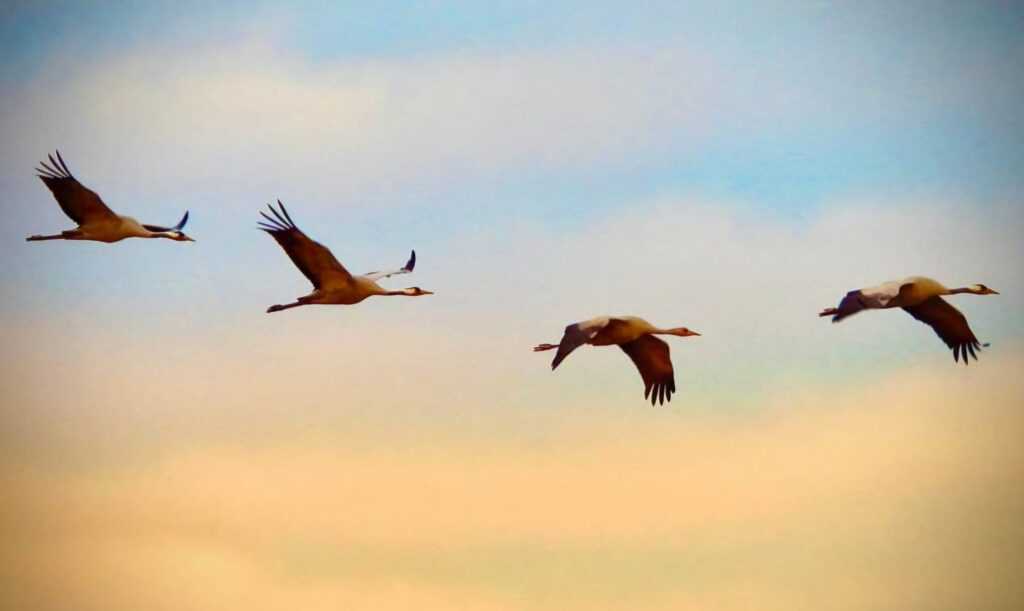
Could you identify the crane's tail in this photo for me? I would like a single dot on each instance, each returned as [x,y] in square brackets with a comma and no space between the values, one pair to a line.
[543,347]
[829,312]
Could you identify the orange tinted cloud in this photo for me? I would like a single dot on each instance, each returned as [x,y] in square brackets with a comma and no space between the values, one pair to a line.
[905,493]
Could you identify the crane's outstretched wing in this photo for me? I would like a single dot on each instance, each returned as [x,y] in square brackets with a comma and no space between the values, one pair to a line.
[880,296]
[178,227]
[651,357]
[575,336]
[405,269]
[850,305]
[949,324]
[313,259]
[82,205]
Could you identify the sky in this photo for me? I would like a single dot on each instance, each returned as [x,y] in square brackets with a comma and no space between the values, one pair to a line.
[729,167]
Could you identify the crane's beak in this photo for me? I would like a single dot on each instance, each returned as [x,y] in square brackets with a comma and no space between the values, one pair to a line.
[694,333]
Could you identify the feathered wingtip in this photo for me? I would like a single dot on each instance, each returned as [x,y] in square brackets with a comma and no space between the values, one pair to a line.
[57,169]
[411,263]
[966,351]
[282,221]
[181,223]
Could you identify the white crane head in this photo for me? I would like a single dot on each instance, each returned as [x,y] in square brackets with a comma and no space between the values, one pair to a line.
[415,291]
[179,236]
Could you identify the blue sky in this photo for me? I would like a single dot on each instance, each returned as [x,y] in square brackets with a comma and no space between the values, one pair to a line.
[900,61]
[428,126]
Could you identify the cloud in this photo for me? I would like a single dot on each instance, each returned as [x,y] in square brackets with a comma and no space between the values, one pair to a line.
[201,358]
[246,115]
[248,108]
[901,492]
[174,447]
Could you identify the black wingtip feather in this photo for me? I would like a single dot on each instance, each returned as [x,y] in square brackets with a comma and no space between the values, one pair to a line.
[279,216]
[62,164]
[286,215]
[411,263]
[181,223]
[275,224]
[52,170]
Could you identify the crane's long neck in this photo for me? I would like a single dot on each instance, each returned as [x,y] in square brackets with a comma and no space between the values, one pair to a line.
[669,331]
[677,331]
[963,289]
[135,229]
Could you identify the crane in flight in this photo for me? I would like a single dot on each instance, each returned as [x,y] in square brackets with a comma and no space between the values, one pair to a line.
[920,297]
[636,338]
[96,221]
[332,283]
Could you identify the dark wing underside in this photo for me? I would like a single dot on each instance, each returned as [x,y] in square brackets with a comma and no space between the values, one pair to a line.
[949,324]
[575,336]
[850,305]
[651,357]
[313,259]
[82,205]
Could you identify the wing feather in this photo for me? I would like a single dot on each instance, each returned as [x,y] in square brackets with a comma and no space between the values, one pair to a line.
[405,269]
[82,205]
[313,259]
[949,324]
[178,227]
[576,335]
[652,360]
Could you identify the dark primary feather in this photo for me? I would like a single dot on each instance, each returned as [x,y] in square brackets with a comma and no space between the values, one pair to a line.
[652,360]
[82,205]
[313,259]
[949,324]
[405,269]
[178,227]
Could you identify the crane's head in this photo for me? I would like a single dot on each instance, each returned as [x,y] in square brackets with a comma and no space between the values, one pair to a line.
[415,291]
[683,332]
[981,289]
[171,233]
[178,236]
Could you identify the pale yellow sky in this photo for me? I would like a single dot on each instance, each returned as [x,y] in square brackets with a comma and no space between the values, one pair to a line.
[904,494]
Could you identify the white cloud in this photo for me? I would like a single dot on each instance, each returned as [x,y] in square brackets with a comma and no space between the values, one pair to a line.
[247,111]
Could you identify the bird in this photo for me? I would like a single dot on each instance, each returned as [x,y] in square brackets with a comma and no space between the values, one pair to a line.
[920,297]
[636,338]
[95,220]
[332,283]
